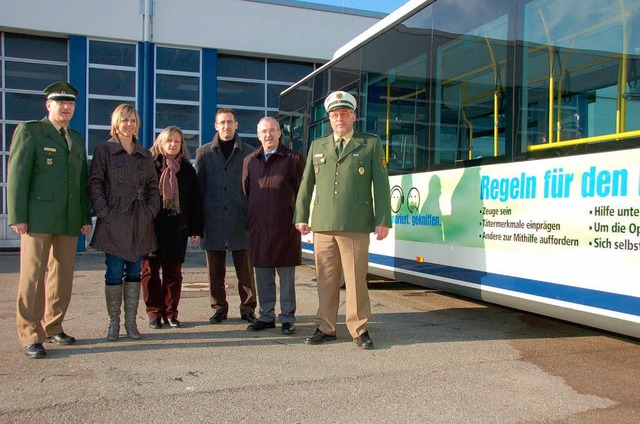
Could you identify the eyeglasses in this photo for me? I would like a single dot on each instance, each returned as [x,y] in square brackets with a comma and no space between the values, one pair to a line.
[339,114]
[229,122]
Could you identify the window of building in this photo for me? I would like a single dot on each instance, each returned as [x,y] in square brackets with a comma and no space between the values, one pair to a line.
[241,67]
[251,87]
[178,92]
[109,53]
[27,65]
[112,79]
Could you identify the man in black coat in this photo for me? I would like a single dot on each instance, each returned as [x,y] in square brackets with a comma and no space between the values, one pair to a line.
[219,169]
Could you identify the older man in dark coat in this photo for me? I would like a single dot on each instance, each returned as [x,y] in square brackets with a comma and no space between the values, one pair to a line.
[270,179]
[219,169]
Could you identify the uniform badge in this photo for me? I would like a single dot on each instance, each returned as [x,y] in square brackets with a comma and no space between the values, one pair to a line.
[361,170]
[49,161]
[383,161]
[50,149]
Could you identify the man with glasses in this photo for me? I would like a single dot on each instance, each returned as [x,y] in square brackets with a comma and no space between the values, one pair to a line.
[219,168]
[342,168]
[48,207]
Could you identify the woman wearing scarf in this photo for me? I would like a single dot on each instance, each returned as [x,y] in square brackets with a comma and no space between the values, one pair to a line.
[179,218]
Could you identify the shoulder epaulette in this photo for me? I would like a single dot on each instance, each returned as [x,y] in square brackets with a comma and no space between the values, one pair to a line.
[369,136]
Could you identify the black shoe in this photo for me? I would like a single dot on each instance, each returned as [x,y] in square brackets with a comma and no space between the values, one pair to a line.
[363,341]
[217,317]
[155,323]
[318,337]
[61,339]
[258,325]
[251,317]
[174,322]
[35,351]
[288,328]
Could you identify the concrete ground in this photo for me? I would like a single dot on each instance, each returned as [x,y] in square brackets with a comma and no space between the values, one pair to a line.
[437,359]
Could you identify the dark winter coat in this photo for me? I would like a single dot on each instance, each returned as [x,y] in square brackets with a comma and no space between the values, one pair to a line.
[223,203]
[124,192]
[271,187]
[172,231]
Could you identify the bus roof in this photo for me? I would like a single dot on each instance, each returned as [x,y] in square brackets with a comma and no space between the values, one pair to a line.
[379,27]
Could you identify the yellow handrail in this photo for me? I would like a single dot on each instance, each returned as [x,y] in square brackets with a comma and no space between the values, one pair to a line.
[586,140]
[563,76]
[621,122]
[551,77]
[496,100]
[621,109]
[388,125]
[464,116]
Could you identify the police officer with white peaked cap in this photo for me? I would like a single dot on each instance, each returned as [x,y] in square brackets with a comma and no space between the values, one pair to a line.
[342,168]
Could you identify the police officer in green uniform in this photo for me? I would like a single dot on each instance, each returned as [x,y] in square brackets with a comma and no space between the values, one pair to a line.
[48,206]
[342,168]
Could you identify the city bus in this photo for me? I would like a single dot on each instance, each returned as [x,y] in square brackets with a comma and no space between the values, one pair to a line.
[512,137]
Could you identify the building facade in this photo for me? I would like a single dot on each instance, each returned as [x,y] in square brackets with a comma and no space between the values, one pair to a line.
[177,62]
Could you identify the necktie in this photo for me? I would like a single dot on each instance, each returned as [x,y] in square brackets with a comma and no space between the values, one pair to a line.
[339,147]
[63,133]
[267,155]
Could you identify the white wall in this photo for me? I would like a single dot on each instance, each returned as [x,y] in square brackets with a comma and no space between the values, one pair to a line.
[236,26]
[244,26]
[117,19]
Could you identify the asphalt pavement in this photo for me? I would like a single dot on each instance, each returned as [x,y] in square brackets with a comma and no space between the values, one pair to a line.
[437,358]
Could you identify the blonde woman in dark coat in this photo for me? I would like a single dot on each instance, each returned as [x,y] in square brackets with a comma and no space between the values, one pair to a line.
[123,187]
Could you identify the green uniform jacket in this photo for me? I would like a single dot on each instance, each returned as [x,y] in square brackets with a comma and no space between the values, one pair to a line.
[47,183]
[344,199]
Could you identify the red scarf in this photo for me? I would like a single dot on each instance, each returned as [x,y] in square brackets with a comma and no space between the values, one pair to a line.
[169,184]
